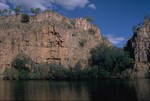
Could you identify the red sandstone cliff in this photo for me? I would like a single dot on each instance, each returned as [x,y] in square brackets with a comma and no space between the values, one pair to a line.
[47,38]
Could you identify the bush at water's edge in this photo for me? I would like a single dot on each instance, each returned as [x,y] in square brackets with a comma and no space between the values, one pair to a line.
[105,62]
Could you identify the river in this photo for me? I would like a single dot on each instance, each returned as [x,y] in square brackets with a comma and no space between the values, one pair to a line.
[99,90]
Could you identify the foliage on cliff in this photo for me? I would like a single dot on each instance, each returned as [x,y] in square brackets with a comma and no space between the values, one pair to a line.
[104,63]
[21,70]
[110,59]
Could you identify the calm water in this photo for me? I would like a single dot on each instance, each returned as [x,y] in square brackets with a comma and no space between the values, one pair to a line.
[104,90]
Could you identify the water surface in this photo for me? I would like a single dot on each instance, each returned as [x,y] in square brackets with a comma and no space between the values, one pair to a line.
[104,90]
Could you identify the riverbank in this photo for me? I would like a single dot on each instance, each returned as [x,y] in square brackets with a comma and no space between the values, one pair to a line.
[59,72]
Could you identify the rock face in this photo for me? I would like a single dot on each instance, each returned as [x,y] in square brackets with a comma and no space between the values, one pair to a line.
[47,38]
[139,48]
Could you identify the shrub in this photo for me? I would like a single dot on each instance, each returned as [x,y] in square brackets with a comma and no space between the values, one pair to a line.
[21,61]
[89,18]
[57,72]
[111,59]
[11,74]
[4,12]
[105,62]
[1,13]
[24,74]
[93,72]
[39,72]
[72,22]
[17,10]
[35,10]
[103,73]
[74,34]
[147,18]
[82,42]
[77,71]
[48,10]
[35,75]
[25,18]
[92,31]
[69,26]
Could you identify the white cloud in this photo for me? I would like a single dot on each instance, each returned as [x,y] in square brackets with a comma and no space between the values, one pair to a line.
[45,4]
[92,6]
[115,40]
[3,6]
[72,4]
[27,4]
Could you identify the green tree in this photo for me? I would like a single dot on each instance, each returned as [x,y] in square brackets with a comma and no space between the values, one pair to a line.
[11,74]
[4,12]
[47,10]
[77,71]
[146,19]
[57,72]
[35,10]
[24,74]
[93,72]
[110,58]
[21,61]
[25,18]
[134,28]
[92,31]
[82,42]
[1,13]
[17,10]
[89,18]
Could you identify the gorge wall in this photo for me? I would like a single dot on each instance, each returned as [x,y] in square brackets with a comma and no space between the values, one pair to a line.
[139,49]
[48,38]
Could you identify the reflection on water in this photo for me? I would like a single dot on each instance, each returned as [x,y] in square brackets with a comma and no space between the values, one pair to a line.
[104,90]
[43,90]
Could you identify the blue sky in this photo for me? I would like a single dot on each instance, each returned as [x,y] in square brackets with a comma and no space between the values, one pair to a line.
[115,18]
